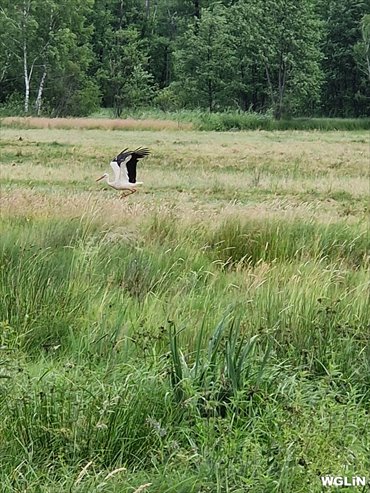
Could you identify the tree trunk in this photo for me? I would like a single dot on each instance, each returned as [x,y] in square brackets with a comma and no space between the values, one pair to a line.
[197,8]
[270,84]
[210,95]
[147,8]
[118,106]
[365,28]
[5,68]
[26,74]
[167,76]
[26,79]
[282,85]
[121,14]
[40,91]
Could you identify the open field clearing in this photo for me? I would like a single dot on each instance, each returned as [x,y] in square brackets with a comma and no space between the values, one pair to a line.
[208,334]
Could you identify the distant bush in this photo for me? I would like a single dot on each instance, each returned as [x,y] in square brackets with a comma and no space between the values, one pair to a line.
[167,100]
[85,101]
[13,106]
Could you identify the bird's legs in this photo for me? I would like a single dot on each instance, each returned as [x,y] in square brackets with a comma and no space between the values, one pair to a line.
[130,190]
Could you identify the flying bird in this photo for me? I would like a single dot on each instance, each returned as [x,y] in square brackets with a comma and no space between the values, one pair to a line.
[124,169]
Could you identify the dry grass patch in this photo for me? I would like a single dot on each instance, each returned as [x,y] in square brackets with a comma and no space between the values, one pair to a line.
[106,208]
[93,123]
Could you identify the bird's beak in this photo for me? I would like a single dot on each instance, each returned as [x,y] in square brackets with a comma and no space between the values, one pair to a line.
[100,178]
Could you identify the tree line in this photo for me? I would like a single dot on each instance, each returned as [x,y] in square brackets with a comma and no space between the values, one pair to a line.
[286,57]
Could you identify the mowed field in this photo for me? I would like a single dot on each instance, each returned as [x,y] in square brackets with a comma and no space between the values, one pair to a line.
[209,333]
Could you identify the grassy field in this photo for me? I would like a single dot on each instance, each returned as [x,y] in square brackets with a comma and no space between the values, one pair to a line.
[208,334]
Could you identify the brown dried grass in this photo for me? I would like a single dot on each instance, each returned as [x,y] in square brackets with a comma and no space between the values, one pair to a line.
[94,123]
[106,208]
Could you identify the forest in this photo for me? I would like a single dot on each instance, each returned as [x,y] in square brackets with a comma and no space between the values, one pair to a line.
[278,57]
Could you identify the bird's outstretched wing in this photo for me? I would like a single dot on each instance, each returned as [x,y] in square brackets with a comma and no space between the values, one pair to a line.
[130,159]
[116,170]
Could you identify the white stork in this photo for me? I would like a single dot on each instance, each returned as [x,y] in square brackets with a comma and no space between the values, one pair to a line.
[124,169]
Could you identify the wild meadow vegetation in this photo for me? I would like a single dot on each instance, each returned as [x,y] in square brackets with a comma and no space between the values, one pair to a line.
[151,119]
[209,333]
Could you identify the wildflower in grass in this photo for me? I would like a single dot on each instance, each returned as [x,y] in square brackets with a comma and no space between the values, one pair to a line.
[156,426]
[101,426]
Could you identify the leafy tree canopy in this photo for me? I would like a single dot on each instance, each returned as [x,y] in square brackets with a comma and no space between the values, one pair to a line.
[289,57]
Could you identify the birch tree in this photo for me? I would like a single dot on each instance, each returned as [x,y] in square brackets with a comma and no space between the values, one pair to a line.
[26,20]
[45,34]
[22,29]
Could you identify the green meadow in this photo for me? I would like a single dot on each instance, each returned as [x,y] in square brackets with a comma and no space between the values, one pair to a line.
[208,334]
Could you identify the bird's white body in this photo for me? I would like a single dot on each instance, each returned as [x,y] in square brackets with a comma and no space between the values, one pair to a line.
[124,170]
[119,181]
[122,185]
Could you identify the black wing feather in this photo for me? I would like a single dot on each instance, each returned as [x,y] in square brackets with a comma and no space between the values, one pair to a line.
[139,153]
[121,156]
[131,170]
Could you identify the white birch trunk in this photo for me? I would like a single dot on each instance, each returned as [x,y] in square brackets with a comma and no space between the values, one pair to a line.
[27,76]
[40,91]
[26,79]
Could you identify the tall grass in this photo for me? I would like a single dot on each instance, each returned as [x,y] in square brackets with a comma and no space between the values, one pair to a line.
[236,120]
[236,241]
[194,357]
[255,121]
[84,273]
[187,120]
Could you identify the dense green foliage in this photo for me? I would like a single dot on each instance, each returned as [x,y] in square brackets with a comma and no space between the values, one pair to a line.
[283,57]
